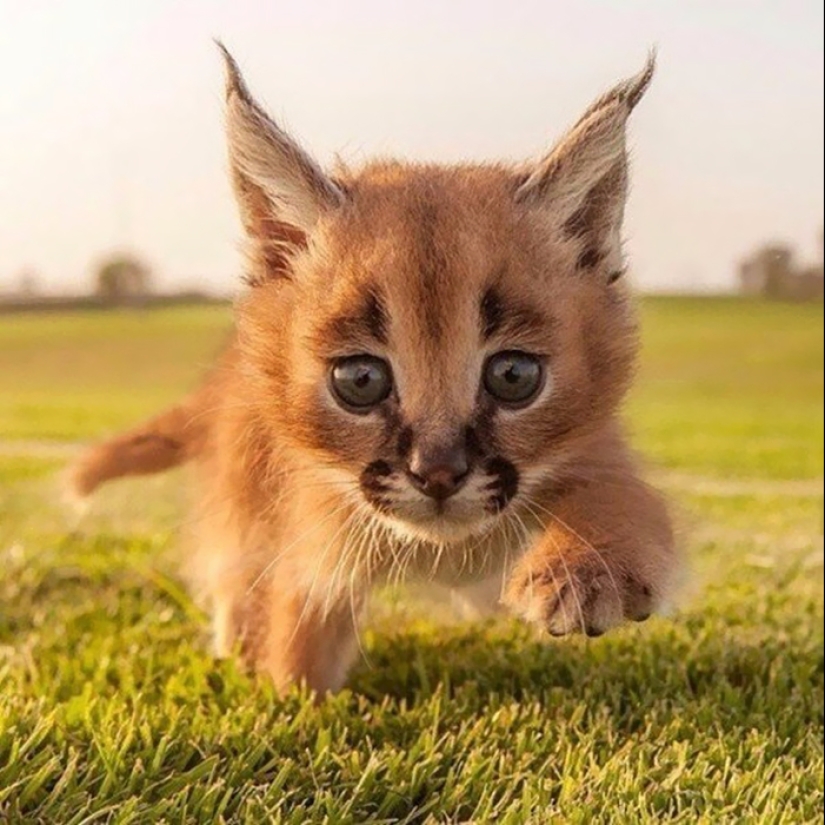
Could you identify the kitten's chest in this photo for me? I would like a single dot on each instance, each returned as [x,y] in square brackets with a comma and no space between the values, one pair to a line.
[462,565]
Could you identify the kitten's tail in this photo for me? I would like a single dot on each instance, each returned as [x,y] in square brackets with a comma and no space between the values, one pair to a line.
[171,438]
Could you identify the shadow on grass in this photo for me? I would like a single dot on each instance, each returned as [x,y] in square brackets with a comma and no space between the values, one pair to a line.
[683,671]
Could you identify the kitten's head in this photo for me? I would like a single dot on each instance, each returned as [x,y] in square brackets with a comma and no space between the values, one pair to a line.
[441,338]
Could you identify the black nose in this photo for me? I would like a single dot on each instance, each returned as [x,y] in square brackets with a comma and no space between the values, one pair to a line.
[438,472]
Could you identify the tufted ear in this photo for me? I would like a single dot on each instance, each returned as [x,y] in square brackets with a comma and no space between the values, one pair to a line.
[582,182]
[281,191]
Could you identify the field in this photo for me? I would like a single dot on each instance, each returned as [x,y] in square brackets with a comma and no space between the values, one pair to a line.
[111,709]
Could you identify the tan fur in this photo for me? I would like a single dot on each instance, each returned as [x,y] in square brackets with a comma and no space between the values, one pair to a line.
[160,444]
[306,506]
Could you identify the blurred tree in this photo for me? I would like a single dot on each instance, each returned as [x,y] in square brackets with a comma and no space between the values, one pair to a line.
[123,279]
[28,284]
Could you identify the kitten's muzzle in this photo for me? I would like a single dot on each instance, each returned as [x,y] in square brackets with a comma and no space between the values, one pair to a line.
[438,472]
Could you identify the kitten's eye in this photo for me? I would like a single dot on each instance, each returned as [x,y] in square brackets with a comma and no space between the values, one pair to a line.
[361,382]
[513,377]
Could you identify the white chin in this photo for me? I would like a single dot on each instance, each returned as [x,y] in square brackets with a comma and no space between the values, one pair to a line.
[439,529]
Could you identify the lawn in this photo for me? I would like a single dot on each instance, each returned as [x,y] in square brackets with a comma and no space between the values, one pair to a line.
[112,710]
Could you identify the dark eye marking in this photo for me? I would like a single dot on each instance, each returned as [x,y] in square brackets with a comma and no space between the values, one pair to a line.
[492,313]
[500,315]
[375,314]
[367,322]
[405,441]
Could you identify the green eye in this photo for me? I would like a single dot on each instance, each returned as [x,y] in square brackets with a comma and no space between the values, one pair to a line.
[513,377]
[361,382]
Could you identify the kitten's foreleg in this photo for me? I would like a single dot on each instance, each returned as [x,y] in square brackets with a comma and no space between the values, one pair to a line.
[308,642]
[606,554]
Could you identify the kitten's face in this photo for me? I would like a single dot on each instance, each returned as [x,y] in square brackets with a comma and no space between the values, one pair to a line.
[443,352]
[439,340]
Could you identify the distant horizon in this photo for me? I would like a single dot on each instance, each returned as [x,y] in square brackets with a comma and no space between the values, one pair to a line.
[113,134]
[231,291]
[234,285]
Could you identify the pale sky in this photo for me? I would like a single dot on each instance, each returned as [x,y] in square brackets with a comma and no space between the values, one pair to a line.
[110,117]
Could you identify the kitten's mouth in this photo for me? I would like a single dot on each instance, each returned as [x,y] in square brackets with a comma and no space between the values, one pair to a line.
[472,511]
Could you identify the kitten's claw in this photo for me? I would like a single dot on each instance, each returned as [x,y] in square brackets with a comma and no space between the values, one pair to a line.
[564,597]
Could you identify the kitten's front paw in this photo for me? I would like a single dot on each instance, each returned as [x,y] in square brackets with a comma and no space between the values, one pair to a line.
[580,595]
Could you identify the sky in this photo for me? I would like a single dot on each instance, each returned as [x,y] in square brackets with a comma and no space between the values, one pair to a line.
[111,118]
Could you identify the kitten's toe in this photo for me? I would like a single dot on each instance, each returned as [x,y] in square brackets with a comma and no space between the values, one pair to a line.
[639,600]
[580,599]
[590,606]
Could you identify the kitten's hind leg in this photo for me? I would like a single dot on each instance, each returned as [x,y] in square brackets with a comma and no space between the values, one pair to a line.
[219,575]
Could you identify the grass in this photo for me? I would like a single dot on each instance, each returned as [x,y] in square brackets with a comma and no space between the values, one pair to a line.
[111,709]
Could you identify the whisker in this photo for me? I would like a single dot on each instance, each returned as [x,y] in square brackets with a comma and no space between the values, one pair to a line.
[322,559]
[344,556]
[305,534]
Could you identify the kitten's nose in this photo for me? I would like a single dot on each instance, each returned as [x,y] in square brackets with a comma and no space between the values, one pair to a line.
[438,472]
